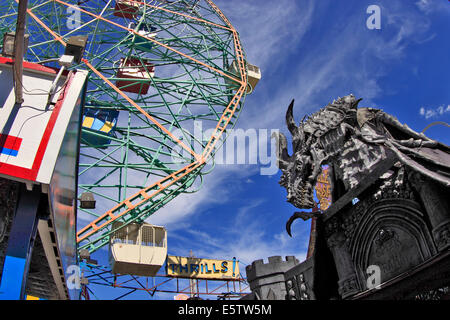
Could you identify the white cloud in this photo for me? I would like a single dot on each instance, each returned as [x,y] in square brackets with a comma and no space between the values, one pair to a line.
[431,6]
[244,236]
[269,30]
[424,5]
[434,112]
[352,60]
[211,194]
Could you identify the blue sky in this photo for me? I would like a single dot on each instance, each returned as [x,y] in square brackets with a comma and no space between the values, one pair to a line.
[314,52]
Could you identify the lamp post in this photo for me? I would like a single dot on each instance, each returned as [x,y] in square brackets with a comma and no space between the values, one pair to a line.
[19,50]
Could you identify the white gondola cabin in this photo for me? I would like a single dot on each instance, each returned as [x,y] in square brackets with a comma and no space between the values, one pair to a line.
[126,9]
[253,73]
[134,75]
[138,249]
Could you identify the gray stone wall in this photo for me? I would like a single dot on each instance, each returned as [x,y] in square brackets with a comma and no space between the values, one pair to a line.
[267,280]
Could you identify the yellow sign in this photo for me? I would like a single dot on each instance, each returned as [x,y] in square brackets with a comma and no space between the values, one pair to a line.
[181,296]
[323,189]
[185,267]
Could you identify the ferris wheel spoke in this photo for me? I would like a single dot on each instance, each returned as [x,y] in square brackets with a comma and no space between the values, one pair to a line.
[223,122]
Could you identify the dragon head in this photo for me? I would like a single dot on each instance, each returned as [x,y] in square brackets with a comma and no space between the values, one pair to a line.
[297,168]
[301,169]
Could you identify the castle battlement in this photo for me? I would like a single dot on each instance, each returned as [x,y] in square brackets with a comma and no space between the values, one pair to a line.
[275,265]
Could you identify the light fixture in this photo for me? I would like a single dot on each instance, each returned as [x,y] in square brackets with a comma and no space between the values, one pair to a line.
[66,61]
[73,53]
[87,201]
[85,255]
[75,47]
[8,44]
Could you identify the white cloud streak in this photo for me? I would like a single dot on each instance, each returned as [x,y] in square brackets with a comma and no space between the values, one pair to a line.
[433,6]
[434,112]
[211,194]
[266,28]
[353,60]
[245,237]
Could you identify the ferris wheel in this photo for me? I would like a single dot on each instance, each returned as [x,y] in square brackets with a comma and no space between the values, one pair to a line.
[157,69]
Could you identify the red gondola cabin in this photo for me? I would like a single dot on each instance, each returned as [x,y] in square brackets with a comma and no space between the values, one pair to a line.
[126,9]
[135,74]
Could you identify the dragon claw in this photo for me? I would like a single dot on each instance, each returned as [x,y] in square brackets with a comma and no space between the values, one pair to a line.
[305,216]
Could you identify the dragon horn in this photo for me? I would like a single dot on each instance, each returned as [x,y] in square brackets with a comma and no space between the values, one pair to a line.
[290,119]
[296,132]
[282,151]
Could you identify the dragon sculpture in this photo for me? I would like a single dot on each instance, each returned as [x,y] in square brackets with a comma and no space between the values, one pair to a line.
[352,141]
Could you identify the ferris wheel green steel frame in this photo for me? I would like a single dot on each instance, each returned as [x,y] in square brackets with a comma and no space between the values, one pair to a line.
[182,53]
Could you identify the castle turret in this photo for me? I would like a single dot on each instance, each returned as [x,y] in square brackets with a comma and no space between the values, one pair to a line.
[267,280]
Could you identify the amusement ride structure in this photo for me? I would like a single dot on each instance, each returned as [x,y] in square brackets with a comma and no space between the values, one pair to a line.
[155,70]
